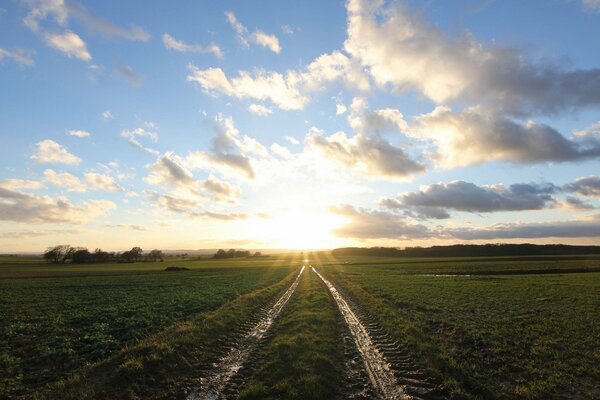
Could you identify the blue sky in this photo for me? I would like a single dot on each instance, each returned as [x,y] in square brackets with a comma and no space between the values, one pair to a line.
[298,124]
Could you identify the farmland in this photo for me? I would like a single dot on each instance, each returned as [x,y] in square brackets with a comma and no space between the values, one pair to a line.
[53,326]
[487,335]
[473,328]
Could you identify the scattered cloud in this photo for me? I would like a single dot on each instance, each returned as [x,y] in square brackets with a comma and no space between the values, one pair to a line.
[102,182]
[292,140]
[370,156]
[169,171]
[134,135]
[259,109]
[61,11]
[191,208]
[257,37]
[20,184]
[28,234]
[133,227]
[287,29]
[78,133]
[265,40]
[340,109]
[106,115]
[128,73]
[18,206]
[173,44]
[229,149]
[591,5]
[64,180]
[20,56]
[70,44]
[288,91]
[48,151]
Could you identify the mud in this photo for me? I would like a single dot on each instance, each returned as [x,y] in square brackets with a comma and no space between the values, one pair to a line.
[222,381]
[388,365]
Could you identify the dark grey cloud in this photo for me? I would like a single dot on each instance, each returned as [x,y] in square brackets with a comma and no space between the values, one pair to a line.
[432,201]
[578,204]
[588,186]
[559,229]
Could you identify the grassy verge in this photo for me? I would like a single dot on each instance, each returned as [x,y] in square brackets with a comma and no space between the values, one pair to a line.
[492,337]
[167,364]
[304,358]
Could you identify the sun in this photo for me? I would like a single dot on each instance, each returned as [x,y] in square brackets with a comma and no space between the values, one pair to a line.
[300,229]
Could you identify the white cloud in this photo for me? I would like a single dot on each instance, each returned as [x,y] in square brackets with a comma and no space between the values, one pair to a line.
[48,151]
[259,109]
[102,182]
[20,184]
[70,44]
[78,133]
[340,109]
[475,136]
[64,180]
[19,56]
[292,140]
[403,51]
[23,207]
[368,155]
[62,10]
[269,41]
[106,115]
[132,137]
[257,37]
[171,43]
[289,91]
[229,150]
[591,5]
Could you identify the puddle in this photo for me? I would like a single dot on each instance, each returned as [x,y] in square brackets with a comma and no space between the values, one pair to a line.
[213,386]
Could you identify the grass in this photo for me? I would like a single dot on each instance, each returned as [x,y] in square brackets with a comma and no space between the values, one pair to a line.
[52,327]
[167,364]
[304,358]
[533,336]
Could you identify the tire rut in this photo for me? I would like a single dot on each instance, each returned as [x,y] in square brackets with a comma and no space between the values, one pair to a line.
[225,377]
[389,368]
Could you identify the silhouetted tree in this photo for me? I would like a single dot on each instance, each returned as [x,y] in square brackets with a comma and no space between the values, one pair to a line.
[155,255]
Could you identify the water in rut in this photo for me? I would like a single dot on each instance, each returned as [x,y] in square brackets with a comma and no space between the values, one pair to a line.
[212,387]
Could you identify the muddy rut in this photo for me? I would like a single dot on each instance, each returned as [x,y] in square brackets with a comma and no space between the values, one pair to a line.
[218,382]
[389,368]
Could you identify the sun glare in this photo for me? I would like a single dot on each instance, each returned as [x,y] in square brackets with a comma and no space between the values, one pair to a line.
[300,229]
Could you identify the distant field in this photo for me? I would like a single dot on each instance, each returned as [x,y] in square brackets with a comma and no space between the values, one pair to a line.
[58,318]
[507,335]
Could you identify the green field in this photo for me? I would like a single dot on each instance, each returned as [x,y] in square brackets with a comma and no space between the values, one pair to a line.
[487,335]
[480,328]
[53,326]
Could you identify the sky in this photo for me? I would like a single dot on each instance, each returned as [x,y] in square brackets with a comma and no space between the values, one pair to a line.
[298,124]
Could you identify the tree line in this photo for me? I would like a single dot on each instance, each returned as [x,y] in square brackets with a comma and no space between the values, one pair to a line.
[469,250]
[233,253]
[80,255]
